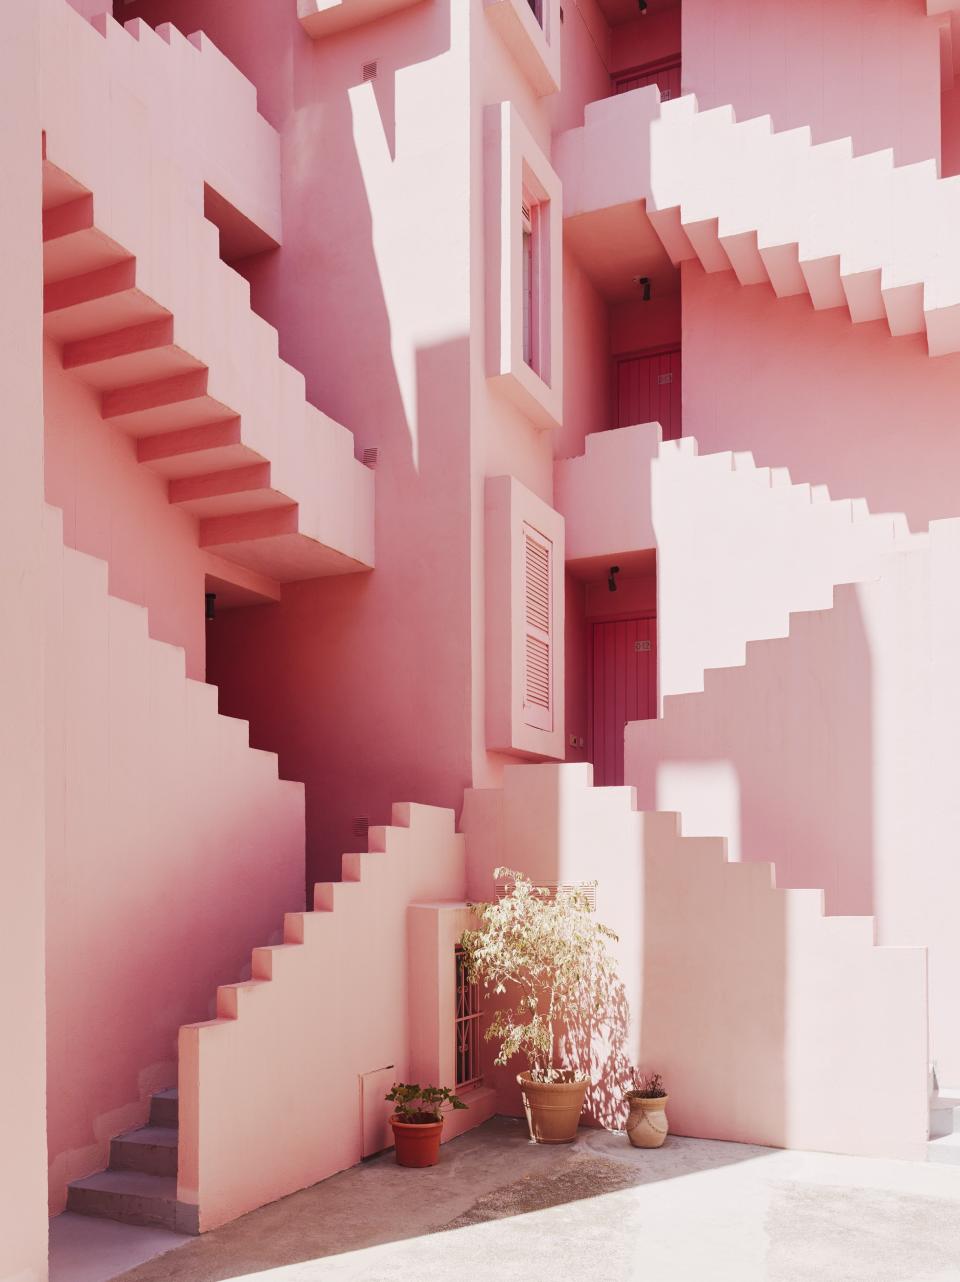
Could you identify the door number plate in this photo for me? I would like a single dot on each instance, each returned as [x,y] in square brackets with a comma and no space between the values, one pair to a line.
[641,647]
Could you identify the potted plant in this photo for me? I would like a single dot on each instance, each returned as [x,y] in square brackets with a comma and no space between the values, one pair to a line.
[647,1123]
[544,957]
[418,1121]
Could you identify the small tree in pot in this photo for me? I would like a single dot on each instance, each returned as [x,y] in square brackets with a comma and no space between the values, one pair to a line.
[545,958]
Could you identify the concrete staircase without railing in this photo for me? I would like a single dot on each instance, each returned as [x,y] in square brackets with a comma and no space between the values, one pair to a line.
[140,1184]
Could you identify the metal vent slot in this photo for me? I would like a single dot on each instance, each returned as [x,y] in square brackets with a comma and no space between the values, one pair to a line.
[370,70]
[361,828]
[586,888]
[370,457]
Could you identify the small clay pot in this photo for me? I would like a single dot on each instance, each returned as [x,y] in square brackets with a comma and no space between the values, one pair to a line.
[553,1109]
[416,1143]
[647,1125]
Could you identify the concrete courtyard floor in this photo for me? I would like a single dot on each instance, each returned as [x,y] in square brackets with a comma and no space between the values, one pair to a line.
[499,1208]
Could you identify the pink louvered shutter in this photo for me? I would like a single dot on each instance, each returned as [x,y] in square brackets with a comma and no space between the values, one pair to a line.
[538,624]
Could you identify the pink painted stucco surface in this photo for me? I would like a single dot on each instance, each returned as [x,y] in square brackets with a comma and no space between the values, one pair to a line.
[812,1029]
[366,251]
[23,1230]
[262,1079]
[869,69]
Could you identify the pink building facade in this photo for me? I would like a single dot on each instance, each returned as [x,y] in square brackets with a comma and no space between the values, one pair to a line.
[444,435]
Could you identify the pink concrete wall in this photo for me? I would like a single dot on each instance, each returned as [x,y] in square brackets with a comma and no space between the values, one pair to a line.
[118,511]
[865,68]
[172,848]
[369,296]
[810,391]
[23,1226]
[829,1031]
[302,1073]
[830,753]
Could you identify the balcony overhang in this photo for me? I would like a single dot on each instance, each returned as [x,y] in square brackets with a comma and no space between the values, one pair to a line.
[324,17]
[604,496]
[606,186]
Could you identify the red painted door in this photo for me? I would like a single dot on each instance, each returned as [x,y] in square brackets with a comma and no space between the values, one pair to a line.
[648,390]
[623,687]
[665,75]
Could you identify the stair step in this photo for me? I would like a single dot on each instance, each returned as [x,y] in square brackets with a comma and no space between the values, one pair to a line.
[165,1108]
[945,1149]
[124,357]
[129,1196]
[151,1150]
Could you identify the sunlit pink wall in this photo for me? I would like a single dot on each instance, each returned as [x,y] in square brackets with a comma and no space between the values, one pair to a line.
[848,405]
[865,68]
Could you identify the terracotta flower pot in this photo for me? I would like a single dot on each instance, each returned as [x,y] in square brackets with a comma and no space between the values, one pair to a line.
[553,1109]
[647,1124]
[416,1143]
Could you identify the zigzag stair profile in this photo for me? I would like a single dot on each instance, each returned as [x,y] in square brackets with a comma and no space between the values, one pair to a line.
[146,312]
[853,231]
[777,548]
[773,1022]
[294,1039]
[148,769]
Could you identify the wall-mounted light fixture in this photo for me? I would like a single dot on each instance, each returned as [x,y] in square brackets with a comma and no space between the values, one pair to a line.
[612,578]
[210,604]
[644,283]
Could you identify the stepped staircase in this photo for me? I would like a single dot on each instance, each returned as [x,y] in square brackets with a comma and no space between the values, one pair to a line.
[301,1073]
[146,312]
[776,547]
[140,1185]
[146,763]
[727,977]
[853,231]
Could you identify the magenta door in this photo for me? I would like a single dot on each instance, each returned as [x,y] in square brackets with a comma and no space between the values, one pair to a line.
[648,390]
[623,687]
[665,75]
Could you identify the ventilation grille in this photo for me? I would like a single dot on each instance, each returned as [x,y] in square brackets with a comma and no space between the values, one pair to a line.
[538,673]
[370,457]
[538,584]
[587,888]
[369,70]
[361,829]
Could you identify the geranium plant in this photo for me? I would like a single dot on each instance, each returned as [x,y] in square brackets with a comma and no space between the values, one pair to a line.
[545,956]
[416,1104]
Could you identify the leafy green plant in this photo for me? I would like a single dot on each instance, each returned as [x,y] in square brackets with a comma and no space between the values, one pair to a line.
[647,1087]
[546,957]
[418,1104]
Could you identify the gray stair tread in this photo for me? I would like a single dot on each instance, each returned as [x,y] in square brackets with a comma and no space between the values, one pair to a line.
[133,1183]
[159,1136]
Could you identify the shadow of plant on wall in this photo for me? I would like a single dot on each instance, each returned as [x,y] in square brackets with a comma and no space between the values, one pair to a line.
[598,1038]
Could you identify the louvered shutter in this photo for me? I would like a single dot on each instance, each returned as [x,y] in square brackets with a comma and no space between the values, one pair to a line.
[538,623]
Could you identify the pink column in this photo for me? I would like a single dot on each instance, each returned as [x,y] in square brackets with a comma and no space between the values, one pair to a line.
[23,1225]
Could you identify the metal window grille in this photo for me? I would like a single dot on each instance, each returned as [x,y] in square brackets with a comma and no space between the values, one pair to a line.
[467,1026]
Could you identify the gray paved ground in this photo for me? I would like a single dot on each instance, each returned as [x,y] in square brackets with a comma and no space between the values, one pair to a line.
[500,1208]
